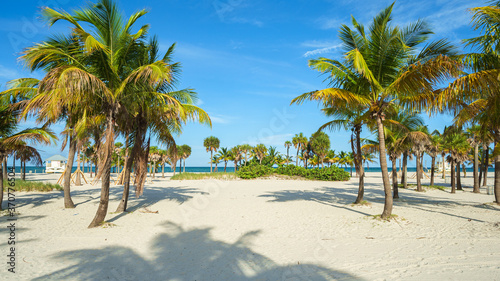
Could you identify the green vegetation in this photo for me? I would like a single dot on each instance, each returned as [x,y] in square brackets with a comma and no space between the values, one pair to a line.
[204,176]
[389,218]
[32,186]
[326,174]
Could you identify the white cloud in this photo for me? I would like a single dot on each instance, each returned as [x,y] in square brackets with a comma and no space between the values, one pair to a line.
[324,50]
[221,119]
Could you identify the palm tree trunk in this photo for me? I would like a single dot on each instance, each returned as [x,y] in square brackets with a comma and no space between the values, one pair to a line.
[453,177]
[23,174]
[361,186]
[297,158]
[163,170]
[433,166]
[225,166]
[4,167]
[395,179]
[184,165]
[106,169]
[287,150]
[497,179]
[122,207]
[444,168]
[2,177]
[236,165]
[486,166]
[385,174]
[78,180]
[419,173]
[404,174]
[154,169]
[68,202]
[211,156]
[459,182]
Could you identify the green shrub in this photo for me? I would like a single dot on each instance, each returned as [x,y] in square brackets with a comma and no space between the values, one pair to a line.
[203,176]
[254,171]
[333,173]
[21,185]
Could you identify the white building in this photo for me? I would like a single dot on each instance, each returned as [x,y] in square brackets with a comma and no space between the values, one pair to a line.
[55,164]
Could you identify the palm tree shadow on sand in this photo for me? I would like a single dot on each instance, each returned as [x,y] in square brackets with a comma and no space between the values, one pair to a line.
[179,254]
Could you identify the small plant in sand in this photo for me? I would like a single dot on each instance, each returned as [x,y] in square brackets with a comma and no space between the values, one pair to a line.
[22,185]
[391,217]
[362,203]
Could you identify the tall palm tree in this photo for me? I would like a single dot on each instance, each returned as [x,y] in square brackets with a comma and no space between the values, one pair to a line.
[475,97]
[299,142]
[211,144]
[386,58]
[475,140]
[288,144]
[320,144]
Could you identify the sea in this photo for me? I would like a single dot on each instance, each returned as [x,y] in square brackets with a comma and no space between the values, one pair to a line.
[39,170]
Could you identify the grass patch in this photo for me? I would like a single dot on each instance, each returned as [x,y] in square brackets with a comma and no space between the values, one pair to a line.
[362,203]
[4,213]
[106,224]
[391,217]
[204,176]
[31,186]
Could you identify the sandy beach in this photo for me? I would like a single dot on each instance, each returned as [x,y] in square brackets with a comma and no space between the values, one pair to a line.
[267,229]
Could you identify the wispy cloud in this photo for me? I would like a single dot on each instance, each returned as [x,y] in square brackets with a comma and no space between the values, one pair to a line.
[221,119]
[275,140]
[322,51]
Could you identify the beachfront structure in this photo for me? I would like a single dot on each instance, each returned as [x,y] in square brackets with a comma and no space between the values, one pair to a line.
[55,164]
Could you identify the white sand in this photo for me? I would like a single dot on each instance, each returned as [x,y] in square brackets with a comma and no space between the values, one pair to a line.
[257,230]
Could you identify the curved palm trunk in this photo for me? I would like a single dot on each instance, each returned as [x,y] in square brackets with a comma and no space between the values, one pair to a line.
[433,166]
[459,181]
[297,158]
[453,177]
[68,202]
[486,165]
[385,174]
[122,207]
[419,173]
[105,170]
[404,176]
[395,179]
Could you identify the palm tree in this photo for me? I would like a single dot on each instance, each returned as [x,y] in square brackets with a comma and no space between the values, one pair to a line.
[433,149]
[10,140]
[320,144]
[299,142]
[260,152]
[211,144]
[385,57]
[288,144]
[215,160]
[474,98]
[118,150]
[225,156]
[164,159]
[235,153]
[186,152]
[246,149]
[273,155]
[475,140]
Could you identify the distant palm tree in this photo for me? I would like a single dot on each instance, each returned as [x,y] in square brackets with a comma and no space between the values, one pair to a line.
[211,144]
[236,156]
[186,152]
[288,144]
[225,156]
[216,160]
[260,152]
[299,142]
[246,149]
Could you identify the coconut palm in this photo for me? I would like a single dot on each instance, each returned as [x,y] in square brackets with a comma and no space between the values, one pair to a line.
[186,152]
[118,150]
[236,156]
[474,97]
[299,142]
[216,160]
[225,155]
[288,144]
[386,57]
[211,144]
[320,144]
[260,152]
[246,149]
[433,148]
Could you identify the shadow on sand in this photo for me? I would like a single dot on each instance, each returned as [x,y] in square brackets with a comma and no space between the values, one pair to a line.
[179,254]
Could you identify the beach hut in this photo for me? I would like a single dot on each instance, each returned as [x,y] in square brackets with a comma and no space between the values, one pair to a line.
[55,164]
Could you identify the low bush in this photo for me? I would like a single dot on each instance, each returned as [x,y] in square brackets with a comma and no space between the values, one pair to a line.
[254,171]
[203,176]
[21,185]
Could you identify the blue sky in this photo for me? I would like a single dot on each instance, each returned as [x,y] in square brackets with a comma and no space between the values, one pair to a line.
[246,59]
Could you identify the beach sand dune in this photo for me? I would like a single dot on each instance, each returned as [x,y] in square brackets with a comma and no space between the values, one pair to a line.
[266,229]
